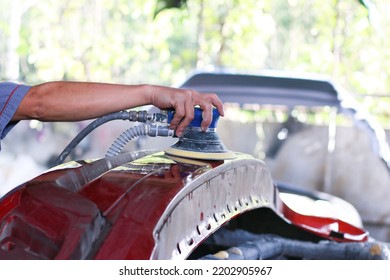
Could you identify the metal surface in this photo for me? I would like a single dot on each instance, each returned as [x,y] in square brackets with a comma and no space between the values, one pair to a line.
[209,201]
[125,207]
[150,208]
[327,227]
[76,178]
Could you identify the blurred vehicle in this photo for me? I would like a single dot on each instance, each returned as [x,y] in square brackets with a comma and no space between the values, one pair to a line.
[194,199]
[311,133]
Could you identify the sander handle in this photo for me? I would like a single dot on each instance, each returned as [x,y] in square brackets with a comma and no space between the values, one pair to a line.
[197,120]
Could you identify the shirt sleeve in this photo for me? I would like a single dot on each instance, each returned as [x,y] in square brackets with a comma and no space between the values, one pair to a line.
[11,94]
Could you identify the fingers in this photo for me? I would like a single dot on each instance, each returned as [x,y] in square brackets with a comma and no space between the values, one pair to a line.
[209,102]
[184,101]
[184,112]
[216,102]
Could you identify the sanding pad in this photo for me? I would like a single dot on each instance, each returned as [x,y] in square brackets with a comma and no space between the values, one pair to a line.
[197,144]
[200,155]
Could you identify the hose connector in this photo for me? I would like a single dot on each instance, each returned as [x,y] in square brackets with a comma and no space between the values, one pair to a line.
[139,116]
[160,130]
[144,117]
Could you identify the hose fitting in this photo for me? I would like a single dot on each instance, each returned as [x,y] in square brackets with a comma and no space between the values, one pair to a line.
[145,117]
[160,130]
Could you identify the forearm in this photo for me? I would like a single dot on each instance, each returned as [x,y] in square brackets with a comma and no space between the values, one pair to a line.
[74,101]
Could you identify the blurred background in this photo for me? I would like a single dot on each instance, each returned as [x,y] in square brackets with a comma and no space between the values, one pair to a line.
[164,42]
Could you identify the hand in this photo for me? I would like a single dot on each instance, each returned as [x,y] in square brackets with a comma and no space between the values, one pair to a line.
[184,101]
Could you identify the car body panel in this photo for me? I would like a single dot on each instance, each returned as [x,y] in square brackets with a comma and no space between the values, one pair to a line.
[132,211]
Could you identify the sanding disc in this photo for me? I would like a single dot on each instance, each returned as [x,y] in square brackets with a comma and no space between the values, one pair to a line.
[198,144]
[200,155]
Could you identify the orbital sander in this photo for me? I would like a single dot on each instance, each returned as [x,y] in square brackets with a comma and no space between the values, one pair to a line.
[198,144]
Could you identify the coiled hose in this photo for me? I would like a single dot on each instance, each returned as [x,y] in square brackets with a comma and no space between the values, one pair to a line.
[126,136]
[136,131]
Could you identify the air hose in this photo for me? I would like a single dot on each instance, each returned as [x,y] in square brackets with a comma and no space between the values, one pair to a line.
[245,245]
[134,116]
[136,131]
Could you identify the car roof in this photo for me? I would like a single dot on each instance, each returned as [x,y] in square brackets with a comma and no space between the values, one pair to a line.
[267,89]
